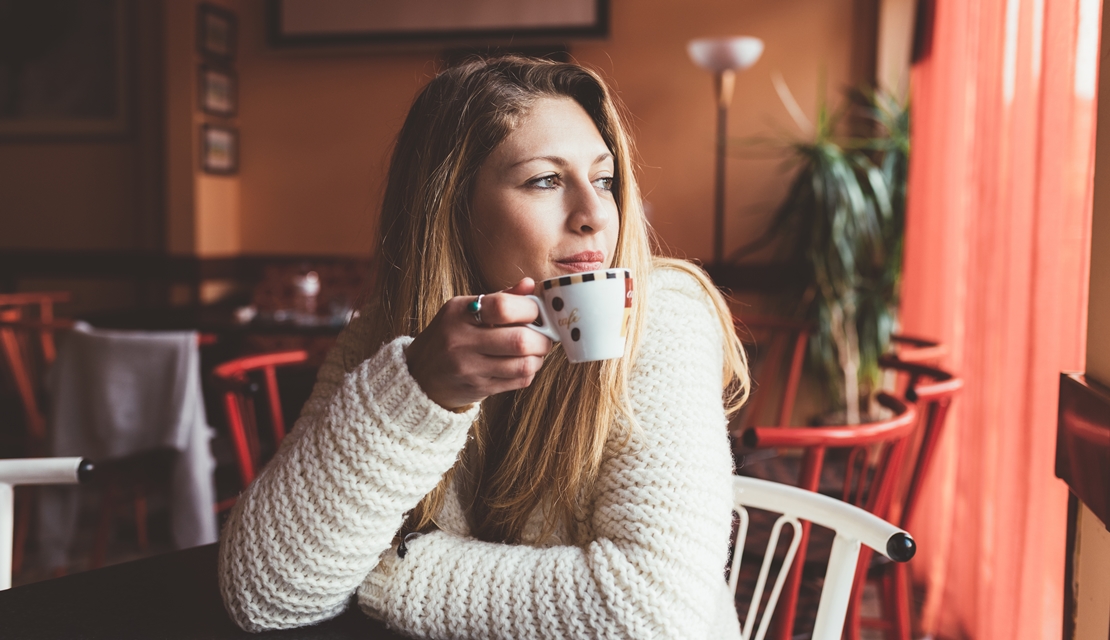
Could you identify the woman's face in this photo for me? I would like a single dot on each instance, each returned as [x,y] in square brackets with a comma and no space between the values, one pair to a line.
[543,203]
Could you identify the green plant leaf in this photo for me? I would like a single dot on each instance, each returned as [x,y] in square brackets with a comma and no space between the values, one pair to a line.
[844,215]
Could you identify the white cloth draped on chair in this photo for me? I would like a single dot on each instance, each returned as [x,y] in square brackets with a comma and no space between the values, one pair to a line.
[118,393]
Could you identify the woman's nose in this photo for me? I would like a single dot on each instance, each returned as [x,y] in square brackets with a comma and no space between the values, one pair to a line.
[590,212]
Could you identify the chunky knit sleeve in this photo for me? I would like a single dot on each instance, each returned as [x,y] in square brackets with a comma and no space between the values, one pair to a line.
[368,446]
[661,519]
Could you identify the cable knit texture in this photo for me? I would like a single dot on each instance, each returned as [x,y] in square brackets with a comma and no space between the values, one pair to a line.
[317,525]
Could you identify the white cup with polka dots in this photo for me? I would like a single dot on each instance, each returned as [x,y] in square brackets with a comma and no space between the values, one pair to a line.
[588,312]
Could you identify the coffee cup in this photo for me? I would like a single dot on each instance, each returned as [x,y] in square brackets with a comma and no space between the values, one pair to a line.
[588,312]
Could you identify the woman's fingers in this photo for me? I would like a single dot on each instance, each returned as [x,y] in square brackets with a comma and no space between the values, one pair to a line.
[522,288]
[512,342]
[505,308]
[507,369]
[458,360]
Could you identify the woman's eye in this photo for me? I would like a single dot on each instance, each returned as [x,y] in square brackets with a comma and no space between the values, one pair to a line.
[545,182]
[605,183]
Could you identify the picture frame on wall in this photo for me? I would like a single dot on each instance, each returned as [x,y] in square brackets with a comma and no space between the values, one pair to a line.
[300,23]
[217,32]
[219,149]
[85,40]
[218,91]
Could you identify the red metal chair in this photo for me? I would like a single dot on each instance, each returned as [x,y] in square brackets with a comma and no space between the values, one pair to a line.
[27,327]
[777,349]
[931,390]
[235,381]
[873,464]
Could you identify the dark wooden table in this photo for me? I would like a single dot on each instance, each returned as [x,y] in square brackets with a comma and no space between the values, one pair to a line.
[215,319]
[168,597]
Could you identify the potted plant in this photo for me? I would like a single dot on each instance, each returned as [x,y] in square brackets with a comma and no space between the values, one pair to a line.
[843,218]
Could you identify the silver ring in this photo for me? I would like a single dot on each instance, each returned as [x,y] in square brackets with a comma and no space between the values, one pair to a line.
[475,308]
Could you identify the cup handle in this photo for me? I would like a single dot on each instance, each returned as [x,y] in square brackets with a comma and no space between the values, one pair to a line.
[547,325]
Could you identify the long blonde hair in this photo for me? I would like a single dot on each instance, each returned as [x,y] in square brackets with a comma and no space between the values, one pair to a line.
[542,445]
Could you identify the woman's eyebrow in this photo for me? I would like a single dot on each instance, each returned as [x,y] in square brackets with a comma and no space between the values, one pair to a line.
[559,160]
[556,160]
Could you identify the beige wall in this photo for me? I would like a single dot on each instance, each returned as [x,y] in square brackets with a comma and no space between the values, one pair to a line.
[316,130]
[68,195]
[317,125]
[895,43]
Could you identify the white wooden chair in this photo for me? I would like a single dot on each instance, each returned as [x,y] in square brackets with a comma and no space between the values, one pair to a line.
[853,527]
[24,471]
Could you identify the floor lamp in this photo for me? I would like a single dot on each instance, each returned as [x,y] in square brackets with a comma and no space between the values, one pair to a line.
[724,57]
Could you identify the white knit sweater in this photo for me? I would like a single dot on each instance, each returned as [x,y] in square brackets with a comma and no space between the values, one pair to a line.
[318,523]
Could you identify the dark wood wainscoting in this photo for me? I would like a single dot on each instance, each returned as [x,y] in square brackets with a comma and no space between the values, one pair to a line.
[153,271]
[158,279]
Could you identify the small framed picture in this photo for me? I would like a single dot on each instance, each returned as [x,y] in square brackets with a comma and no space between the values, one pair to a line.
[219,149]
[216,29]
[218,91]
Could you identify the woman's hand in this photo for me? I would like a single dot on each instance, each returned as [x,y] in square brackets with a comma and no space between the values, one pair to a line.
[457,362]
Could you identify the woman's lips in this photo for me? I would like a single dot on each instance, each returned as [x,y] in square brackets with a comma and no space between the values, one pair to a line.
[578,267]
[583,261]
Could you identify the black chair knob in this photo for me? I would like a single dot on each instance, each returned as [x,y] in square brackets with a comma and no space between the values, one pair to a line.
[901,547]
[85,470]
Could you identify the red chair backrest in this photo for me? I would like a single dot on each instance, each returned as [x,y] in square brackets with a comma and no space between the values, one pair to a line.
[234,380]
[932,390]
[889,437]
[27,327]
[44,302]
[772,344]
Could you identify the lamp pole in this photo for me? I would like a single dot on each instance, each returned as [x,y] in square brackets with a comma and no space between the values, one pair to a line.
[724,57]
[724,85]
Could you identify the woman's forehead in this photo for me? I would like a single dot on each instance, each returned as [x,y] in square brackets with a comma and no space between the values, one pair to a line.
[553,128]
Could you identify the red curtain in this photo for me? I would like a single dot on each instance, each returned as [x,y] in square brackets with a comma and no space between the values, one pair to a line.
[997,249]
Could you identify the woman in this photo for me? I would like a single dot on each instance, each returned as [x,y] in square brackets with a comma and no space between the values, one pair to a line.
[554,499]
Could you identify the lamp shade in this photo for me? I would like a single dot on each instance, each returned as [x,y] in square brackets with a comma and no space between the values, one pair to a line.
[721,54]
